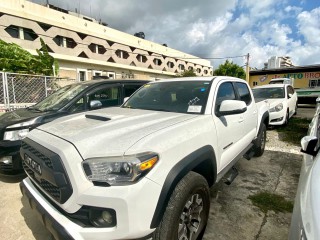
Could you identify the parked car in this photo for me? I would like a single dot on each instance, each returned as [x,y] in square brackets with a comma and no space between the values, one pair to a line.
[73,98]
[143,170]
[305,222]
[282,100]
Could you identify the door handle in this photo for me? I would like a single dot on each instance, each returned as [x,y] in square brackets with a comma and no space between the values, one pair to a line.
[241,120]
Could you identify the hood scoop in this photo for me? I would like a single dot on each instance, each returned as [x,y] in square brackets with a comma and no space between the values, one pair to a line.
[97,117]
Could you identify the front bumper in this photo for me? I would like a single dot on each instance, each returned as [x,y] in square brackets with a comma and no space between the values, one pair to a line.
[131,213]
[55,228]
[10,150]
[277,118]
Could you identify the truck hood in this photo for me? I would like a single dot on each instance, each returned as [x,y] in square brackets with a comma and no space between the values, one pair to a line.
[17,116]
[110,132]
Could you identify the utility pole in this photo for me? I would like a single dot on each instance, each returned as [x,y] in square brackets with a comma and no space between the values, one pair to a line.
[247,67]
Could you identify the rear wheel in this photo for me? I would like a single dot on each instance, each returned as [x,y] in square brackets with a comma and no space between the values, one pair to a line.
[260,143]
[187,212]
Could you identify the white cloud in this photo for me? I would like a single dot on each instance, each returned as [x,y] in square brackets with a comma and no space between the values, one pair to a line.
[216,28]
[309,26]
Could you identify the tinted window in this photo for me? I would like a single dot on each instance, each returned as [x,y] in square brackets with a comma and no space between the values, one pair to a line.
[130,89]
[243,92]
[225,92]
[267,93]
[290,90]
[107,96]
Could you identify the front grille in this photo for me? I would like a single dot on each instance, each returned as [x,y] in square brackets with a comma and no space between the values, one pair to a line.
[49,173]
[39,155]
[6,167]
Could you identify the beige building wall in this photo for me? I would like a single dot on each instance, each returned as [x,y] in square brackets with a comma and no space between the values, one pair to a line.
[302,78]
[84,48]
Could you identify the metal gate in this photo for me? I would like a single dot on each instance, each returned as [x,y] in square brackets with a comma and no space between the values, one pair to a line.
[22,90]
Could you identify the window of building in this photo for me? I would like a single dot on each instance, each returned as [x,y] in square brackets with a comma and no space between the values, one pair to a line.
[64,42]
[157,61]
[96,48]
[21,33]
[141,58]
[181,67]
[314,83]
[170,64]
[82,75]
[13,31]
[122,54]
[255,83]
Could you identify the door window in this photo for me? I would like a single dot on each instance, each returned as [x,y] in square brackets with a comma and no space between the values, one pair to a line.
[130,89]
[78,106]
[225,92]
[107,96]
[243,92]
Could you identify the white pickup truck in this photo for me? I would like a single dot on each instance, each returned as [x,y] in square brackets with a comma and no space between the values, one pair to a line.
[142,170]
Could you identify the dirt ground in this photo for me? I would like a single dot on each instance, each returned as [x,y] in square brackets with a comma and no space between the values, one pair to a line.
[232,214]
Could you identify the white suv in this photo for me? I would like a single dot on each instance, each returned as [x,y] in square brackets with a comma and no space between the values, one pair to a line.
[282,100]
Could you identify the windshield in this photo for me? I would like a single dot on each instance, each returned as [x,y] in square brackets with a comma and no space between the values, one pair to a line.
[268,93]
[59,98]
[176,96]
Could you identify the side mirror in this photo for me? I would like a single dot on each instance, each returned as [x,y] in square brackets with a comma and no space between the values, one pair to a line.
[308,145]
[229,107]
[95,104]
[290,95]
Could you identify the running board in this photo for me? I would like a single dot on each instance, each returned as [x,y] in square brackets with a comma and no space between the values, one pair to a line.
[231,175]
[248,155]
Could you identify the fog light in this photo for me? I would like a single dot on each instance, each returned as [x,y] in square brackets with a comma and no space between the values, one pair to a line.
[6,159]
[102,217]
[107,217]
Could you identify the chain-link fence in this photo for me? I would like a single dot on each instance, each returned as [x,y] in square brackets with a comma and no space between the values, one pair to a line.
[22,90]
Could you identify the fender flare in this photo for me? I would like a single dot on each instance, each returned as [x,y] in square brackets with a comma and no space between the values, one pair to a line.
[263,118]
[184,166]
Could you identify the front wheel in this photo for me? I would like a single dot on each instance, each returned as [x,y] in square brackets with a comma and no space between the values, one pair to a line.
[186,215]
[260,143]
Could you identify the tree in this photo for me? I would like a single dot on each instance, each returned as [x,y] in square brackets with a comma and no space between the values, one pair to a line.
[230,69]
[15,59]
[187,73]
[140,35]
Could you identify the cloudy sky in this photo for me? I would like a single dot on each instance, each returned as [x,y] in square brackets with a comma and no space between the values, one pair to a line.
[217,29]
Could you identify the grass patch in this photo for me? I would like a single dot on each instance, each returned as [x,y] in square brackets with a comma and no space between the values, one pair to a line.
[296,129]
[270,201]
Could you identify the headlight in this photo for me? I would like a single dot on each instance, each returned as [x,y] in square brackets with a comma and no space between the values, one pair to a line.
[18,131]
[15,135]
[277,108]
[119,170]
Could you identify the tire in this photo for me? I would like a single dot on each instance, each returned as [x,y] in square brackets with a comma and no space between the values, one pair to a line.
[260,143]
[187,212]
[287,119]
[296,110]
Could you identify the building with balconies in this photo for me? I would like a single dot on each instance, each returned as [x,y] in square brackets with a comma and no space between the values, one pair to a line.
[86,48]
